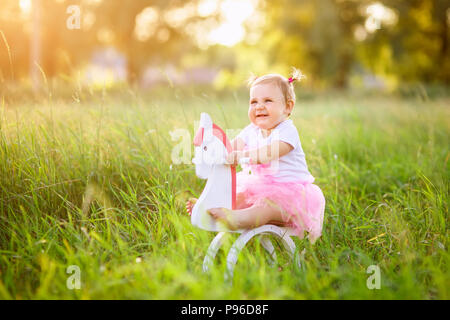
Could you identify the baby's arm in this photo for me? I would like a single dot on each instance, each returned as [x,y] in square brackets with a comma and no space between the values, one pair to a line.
[237,144]
[270,152]
[265,154]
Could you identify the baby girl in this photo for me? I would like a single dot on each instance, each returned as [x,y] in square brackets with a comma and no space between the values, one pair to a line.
[276,186]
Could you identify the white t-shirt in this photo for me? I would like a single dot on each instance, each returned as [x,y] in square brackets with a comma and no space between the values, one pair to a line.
[290,167]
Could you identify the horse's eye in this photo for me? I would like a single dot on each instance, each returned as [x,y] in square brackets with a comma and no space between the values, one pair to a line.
[205,148]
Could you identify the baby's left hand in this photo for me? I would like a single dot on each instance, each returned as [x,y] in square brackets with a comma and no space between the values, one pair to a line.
[234,157]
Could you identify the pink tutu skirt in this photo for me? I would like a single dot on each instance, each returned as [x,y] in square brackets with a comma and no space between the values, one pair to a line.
[301,203]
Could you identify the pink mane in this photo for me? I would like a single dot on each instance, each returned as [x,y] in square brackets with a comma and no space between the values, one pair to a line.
[218,132]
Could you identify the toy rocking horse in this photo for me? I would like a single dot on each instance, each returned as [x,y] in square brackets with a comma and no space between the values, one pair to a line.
[211,148]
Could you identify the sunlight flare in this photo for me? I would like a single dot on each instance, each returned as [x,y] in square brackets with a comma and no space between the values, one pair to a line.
[25,6]
[378,14]
[231,30]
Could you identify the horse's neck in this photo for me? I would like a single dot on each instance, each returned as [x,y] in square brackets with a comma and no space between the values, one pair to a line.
[220,189]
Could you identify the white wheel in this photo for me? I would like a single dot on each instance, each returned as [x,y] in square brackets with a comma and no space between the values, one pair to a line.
[267,244]
[212,250]
[282,233]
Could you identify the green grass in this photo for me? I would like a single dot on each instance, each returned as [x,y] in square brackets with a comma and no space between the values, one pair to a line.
[89,181]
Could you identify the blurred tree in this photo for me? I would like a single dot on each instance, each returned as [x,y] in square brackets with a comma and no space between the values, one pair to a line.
[415,48]
[116,24]
[316,36]
[325,38]
[14,46]
[104,23]
[419,40]
[35,47]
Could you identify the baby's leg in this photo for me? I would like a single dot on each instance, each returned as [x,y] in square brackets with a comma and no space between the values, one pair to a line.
[240,203]
[190,205]
[248,218]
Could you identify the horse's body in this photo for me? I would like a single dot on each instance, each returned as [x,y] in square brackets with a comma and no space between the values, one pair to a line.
[211,148]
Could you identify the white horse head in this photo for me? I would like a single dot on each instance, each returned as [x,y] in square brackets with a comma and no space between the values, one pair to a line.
[211,148]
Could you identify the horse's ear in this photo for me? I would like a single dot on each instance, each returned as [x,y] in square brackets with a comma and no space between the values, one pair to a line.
[205,120]
[207,124]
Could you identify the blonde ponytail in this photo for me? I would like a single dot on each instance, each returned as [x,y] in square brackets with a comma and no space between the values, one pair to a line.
[296,75]
[251,80]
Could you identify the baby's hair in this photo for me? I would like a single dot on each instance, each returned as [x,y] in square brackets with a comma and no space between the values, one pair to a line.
[285,84]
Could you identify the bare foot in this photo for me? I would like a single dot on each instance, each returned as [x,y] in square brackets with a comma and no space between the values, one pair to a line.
[225,216]
[190,205]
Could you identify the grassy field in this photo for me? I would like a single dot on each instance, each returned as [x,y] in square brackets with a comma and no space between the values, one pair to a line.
[89,181]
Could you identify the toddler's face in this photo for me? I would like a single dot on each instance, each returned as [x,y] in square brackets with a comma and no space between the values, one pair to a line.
[267,106]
